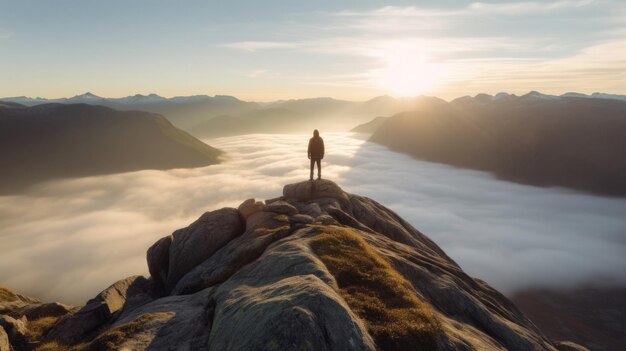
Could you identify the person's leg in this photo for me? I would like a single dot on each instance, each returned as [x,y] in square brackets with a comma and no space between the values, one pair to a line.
[319,168]
[312,164]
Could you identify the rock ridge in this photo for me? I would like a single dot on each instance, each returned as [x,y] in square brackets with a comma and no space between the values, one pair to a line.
[314,269]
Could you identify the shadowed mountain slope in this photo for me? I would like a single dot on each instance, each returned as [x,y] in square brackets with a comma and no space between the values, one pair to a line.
[594,317]
[58,141]
[533,139]
[315,269]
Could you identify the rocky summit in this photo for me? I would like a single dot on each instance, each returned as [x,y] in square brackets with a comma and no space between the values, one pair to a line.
[315,269]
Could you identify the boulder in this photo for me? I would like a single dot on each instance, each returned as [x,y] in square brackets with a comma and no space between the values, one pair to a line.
[301,218]
[326,220]
[228,261]
[158,257]
[309,190]
[192,245]
[281,207]
[250,207]
[311,209]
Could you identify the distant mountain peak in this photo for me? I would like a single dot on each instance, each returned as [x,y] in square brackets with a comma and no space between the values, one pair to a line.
[537,95]
[88,95]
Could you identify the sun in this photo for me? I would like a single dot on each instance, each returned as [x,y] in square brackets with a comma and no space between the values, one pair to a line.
[406,71]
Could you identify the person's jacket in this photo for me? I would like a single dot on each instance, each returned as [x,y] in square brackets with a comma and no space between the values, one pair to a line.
[316,148]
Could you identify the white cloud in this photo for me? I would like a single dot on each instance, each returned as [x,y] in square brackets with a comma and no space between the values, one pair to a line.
[526,7]
[5,35]
[69,239]
[467,57]
[259,45]
[257,73]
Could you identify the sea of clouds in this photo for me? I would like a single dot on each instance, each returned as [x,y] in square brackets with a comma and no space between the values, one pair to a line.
[66,240]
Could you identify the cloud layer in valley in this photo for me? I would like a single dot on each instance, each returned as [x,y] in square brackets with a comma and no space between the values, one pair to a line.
[66,240]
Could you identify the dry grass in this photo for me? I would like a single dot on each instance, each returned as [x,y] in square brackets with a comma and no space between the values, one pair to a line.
[376,292]
[54,346]
[114,338]
[7,295]
[111,339]
[40,327]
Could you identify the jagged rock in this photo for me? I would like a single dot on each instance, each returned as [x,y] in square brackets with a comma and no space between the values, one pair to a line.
[570,346]
[15,327]
[282,207]
[228,260]
[158,257]
[4,340]
[99,310]
[192,245]
[250,207]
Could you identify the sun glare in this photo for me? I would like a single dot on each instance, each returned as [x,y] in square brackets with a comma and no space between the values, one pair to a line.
[407,72]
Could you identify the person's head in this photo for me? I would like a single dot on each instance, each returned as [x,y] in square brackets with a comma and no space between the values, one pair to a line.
[316,133]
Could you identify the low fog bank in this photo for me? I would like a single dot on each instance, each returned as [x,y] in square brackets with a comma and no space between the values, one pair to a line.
[67,240]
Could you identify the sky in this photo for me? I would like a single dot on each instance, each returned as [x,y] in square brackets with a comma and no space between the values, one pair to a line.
[66,240]
[278,49]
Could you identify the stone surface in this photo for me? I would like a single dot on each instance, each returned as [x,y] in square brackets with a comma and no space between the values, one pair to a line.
[228,260]
[265,220]
[302,218]
[158,257]
[314,190]
[310,209]
[100,310]
[281,207]
[176,323]
[192,245]
[250,207]
[290,303]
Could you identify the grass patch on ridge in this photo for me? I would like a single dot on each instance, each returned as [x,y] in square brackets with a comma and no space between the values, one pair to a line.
[376,292]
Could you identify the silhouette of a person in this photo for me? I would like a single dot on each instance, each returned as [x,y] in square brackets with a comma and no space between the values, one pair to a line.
[316,153]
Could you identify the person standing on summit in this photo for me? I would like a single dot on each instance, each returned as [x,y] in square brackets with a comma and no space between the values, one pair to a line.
[316,153]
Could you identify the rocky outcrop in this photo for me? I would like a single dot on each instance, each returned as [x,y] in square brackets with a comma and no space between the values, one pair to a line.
[316,269]
[100,311]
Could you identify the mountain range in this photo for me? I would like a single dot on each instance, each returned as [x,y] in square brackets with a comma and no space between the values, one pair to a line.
[314,269]
[533,139]
[52,141]
[221,115]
